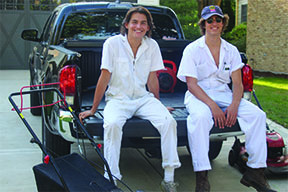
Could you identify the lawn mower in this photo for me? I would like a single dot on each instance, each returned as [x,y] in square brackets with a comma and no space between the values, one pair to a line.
[70,172]
[277,157]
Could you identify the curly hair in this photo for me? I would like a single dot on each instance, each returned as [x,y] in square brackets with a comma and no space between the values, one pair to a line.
[201,24]
[142,10]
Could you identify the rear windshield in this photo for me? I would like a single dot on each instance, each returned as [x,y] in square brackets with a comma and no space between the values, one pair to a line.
[95,25]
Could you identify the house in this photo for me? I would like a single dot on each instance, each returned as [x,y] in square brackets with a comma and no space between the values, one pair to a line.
[267,37]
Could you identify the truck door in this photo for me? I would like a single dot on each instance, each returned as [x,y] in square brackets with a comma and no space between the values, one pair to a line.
[41,50]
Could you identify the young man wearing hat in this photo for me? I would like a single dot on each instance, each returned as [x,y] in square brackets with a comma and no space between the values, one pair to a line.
[207,66]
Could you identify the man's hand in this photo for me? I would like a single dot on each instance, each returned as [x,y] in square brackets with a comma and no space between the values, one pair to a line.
[218,115]
[170,109]
[232,110]
[231,113]
[85,114]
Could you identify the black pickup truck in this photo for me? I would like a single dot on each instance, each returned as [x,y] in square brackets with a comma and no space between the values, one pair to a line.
[68,55]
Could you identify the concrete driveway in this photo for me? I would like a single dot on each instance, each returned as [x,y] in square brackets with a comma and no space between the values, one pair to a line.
[18,155]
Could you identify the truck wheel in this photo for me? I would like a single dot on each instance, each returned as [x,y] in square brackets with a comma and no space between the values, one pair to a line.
[232,158]
[214,149]
[54,144]
[35,101]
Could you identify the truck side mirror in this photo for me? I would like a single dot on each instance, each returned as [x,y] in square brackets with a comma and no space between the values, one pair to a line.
[30,35]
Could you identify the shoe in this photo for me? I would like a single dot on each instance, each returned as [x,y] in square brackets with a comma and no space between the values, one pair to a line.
[256,179]
[202,183]
[169,186]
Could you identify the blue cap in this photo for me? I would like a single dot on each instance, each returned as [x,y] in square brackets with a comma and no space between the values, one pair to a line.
[211,10]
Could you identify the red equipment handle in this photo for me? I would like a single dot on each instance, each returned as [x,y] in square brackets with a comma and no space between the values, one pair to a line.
[170,63]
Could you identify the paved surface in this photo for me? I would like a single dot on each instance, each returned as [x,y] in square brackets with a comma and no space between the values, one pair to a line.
[18,155]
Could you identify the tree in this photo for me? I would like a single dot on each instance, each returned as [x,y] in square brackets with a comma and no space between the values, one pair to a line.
[186,12]
[228,7]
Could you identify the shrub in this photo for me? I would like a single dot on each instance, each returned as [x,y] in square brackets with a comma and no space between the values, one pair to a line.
[237,37]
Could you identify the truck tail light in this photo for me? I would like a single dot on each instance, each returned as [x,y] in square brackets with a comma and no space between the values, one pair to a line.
[247,78]
[67,79]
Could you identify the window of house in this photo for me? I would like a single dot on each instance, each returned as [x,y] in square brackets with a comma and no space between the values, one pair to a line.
[244,13]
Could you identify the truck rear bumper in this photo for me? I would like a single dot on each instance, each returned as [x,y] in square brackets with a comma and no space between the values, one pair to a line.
[139,128]
[136,128]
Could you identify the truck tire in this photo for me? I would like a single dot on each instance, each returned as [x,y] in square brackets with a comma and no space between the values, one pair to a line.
[232,157]
[214,149]
[54,144]
[35,101]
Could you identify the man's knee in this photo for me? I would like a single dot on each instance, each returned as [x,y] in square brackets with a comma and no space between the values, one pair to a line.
[262,114]
[171,121]
[201,116]
[113,124]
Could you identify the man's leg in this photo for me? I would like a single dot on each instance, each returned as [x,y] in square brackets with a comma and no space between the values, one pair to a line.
[154,111]
[199,124]
[115,116]
[252,121]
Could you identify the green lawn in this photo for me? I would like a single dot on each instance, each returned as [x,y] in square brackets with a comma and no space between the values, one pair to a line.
[272,93]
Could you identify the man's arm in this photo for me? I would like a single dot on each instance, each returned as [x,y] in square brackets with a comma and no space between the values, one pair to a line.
[232,110]
[197,91]
[153,84]
[99,93]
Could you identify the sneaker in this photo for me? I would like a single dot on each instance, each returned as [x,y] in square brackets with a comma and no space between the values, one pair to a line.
[169,186]
[256,179]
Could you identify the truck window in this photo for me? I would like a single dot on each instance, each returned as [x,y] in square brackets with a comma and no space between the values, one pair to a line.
[164,27]
[48,28]
[92,25]
[97,25]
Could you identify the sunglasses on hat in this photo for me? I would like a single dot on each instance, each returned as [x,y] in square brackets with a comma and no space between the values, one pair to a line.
[217,19]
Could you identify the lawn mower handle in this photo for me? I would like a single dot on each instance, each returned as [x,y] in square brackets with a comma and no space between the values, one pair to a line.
[36,139]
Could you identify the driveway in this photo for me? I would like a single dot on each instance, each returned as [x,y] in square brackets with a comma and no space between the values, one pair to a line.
[18,155]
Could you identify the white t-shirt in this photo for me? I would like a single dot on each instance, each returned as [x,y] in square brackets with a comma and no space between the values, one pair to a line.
[129,75]
[197,61]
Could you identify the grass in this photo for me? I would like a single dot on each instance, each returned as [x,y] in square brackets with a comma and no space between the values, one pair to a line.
[272,93]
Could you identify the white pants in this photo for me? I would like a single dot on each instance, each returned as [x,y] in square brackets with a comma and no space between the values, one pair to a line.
[252,121]
[116,113]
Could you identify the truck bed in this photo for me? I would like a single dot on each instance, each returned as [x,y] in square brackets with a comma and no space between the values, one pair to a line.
[139,128]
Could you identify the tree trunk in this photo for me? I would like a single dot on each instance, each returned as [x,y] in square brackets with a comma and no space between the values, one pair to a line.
[204,3]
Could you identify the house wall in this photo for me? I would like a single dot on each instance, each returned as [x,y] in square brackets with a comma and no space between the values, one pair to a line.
[267,35]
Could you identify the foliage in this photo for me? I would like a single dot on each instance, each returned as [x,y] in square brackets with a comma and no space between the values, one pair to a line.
[44,5]
[187,14]
[237,37]
[272,93]
[228,7]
